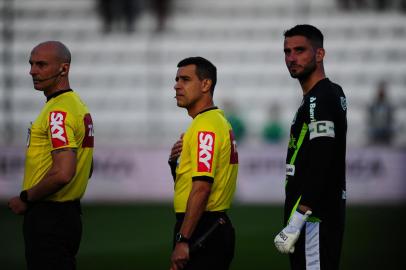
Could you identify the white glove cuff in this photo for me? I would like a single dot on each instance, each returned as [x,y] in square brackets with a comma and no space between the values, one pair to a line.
[297,220]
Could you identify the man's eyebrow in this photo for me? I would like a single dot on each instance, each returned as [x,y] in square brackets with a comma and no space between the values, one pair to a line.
[37,62]
[183,77]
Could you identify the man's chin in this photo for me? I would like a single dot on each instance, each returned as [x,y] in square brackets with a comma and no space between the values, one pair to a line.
[180,104]
[37,85]
[299,76]
[294,75]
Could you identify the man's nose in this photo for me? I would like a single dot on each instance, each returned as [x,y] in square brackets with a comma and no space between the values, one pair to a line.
[291,58]
[33,70]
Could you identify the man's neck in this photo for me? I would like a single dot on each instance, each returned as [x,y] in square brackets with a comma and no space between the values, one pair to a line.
[308,83]
[64,85]
[193,112]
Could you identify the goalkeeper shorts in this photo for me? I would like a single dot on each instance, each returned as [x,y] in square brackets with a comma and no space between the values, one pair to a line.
[318,247]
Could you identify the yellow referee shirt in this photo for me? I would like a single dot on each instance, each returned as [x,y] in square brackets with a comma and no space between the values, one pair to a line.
[64,122]
[209,149]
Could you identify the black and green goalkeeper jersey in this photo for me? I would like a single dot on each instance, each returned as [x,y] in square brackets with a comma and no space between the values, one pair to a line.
[315,163]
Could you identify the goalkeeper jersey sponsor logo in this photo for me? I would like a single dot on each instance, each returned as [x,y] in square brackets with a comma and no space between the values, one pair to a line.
[205,151]
[57,127]
[312,108]
[290,169]
[321,129]
[343,103]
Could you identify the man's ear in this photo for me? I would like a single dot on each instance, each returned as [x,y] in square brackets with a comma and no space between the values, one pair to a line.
[320,52]
[207,85]
[64,70]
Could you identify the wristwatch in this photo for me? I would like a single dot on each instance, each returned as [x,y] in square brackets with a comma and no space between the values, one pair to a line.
[24,196]
[181,239]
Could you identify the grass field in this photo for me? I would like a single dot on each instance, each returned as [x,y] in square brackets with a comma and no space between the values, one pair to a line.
[137,237]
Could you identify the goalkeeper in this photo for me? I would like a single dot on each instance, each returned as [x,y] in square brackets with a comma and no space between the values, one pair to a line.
[315,164]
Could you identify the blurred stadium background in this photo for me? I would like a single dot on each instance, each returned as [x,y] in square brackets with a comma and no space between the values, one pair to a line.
[127,79]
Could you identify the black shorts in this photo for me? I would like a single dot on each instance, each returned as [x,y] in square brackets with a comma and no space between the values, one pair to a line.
[318,247]
[52,233]
[217,251]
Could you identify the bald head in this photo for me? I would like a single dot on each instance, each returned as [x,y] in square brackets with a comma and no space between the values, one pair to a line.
[60,51]
[50,64]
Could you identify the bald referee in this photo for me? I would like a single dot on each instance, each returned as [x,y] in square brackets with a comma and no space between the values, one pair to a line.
[58,164]
[204,163]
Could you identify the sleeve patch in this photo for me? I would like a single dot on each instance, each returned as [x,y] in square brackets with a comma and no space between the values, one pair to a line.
[321,129]
[205,150]
[59,137]
[88,140]
[233,152]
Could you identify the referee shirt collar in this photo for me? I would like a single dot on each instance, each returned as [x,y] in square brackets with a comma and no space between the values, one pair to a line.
[58,93]
[208,109]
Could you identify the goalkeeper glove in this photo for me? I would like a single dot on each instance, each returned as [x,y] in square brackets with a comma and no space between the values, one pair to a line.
[286,239]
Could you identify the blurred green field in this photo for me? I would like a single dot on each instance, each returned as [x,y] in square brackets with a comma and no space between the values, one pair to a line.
[137,236]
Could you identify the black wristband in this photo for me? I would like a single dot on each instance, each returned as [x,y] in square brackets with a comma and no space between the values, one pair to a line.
[24,196]
[181,239]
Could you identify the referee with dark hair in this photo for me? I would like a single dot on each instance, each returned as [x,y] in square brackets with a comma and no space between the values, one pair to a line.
[204,163]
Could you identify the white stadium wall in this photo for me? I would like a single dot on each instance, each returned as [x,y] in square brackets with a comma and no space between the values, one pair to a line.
[131,174]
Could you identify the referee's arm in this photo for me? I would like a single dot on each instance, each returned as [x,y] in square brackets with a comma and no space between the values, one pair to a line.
[63,169]
[196,205]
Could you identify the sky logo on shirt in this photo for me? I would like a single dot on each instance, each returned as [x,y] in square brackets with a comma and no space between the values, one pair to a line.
[205,151]
[57,126]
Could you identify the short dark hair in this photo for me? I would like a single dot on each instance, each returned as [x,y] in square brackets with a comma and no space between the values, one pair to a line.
[204,69]
[309,31]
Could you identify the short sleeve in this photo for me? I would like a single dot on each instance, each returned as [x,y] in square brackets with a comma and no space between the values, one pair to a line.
[203,153]
[61,130]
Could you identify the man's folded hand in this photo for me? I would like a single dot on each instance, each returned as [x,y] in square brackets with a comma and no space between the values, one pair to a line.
[285,240]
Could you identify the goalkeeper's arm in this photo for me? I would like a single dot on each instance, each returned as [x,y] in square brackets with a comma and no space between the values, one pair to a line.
[285,240]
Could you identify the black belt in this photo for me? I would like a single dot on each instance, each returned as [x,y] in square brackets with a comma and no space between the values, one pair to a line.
[74,202]
[208,214]
[56,204]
